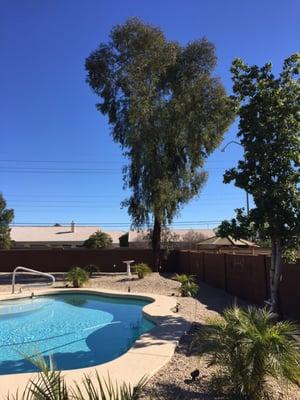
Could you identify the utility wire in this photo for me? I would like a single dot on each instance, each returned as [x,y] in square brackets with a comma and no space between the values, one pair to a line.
[112,223]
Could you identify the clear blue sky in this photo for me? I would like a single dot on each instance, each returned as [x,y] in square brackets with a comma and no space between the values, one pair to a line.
[48,119]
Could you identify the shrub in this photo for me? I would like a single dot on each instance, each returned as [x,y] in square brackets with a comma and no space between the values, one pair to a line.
[91,269]
[98,240]
[124,240]
[78,276]
[51,385]
[250,346]
[142,270]
[188,285]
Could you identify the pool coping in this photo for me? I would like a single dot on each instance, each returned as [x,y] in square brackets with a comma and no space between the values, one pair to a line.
[148,354]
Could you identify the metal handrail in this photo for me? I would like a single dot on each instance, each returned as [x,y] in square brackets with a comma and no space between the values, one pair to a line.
[31,271]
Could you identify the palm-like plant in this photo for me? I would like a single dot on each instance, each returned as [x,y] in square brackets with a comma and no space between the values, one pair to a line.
[142,270]
[78,276]
[99,389]
[188,285]
[250,347]
[50,385]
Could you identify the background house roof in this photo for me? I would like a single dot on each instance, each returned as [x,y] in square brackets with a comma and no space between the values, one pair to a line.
[228,241]
[57,233]
[138,236]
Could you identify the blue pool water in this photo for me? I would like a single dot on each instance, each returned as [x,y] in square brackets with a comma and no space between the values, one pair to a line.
[77,330]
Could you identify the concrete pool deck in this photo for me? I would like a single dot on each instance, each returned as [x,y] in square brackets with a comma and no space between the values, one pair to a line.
[148,354]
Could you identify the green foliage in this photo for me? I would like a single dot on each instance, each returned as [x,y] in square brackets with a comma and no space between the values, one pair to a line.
[98,240]
[91,269]
[6,217]
[50,385]
[269,129]
[142,270]
[78,276]
[168,239]
[250,347]
[188,285]
[124,240]
[99,389]
[167,112]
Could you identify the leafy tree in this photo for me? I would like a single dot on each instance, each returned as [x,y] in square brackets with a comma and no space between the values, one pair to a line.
[250,347]
[167,112]
[269,130]
[191,238]
[98,240]
[168,240]
[6,217]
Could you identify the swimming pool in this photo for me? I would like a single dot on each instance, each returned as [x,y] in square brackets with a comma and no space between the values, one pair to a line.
[77,330]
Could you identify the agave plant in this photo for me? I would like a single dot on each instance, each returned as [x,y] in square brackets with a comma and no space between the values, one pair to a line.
[188,285]
[77,276]
[250,347]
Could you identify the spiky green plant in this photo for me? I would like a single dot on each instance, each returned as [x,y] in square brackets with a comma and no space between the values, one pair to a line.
[99,389]
[250,347]
[188,285]
[78,276]
[142,270]
[50,385]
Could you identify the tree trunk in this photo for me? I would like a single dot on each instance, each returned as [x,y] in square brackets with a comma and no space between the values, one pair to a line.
[156,236]
[275,273]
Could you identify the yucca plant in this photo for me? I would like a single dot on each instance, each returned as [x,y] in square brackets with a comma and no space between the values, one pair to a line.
[188,285]
[250,347]
[77,276]
[142,270]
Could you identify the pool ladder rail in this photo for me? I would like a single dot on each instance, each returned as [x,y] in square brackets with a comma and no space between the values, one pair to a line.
[30,271]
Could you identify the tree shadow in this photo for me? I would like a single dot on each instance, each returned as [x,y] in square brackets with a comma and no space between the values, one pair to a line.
[217,299]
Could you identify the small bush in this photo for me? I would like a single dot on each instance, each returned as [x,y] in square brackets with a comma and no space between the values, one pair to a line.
[188,285]
[142,270]
[91,269]
[77,276]
[98,240]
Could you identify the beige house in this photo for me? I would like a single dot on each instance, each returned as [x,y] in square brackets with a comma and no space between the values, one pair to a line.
[56,236]
[227,244]
[180,238]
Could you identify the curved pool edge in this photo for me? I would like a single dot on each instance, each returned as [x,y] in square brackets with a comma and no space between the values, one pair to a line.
[148,354]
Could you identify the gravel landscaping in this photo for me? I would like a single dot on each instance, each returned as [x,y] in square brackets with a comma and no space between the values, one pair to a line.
[174,380]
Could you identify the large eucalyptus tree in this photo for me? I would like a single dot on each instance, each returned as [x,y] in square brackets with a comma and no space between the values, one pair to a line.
[167,112]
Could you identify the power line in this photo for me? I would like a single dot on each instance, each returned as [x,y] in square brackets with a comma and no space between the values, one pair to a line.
[73,171]
[77,196]
[179,223]
[223,161]
[62,161]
